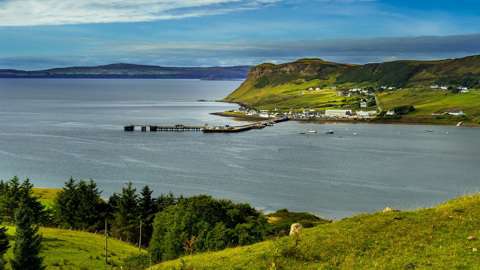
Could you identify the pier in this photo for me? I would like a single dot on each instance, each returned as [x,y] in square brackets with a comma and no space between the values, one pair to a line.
[206,128]
[153,128]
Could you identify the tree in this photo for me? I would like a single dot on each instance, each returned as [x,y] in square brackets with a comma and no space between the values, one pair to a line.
[202,223]
[14,192]
[79,206]
[147,209]
[9,199]
[4,246]
[27,241]
[126,216]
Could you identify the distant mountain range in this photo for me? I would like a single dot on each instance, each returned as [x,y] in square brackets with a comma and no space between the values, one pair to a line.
[122,70]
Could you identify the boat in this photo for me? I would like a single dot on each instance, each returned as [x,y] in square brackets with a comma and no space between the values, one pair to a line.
[330,132]
[459,124]
[311,131]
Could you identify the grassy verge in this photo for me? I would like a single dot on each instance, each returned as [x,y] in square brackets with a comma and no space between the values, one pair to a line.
[65,249]
[443,237]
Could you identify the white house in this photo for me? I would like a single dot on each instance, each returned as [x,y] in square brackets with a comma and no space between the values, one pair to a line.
[463,89]
[363,104]
[366,114]
[338,113]
[391,113]
[435,86]
[444,87]
[456,113]
[264,114]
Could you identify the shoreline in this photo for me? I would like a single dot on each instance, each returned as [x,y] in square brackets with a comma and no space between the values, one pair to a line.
[401,121]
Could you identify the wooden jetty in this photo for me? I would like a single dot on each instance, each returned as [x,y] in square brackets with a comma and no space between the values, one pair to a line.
[206,128]
[153,128]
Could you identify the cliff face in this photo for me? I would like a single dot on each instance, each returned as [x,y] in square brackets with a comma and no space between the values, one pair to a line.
[270,75]
[459,72]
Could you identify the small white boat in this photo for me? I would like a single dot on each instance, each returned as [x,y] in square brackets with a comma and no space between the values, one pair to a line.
[311,131]
[355,134]
[459,124]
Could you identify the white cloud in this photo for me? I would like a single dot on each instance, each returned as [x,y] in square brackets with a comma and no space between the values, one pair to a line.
[59,12]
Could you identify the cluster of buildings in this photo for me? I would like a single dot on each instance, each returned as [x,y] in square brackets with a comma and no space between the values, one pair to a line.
[355,92]
[311,114]
[461,89]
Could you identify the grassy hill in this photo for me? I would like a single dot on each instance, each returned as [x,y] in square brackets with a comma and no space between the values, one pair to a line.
[443,237]
[285,86]
[65,249]
[429,102]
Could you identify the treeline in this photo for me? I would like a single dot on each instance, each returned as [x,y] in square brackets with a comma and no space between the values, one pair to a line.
[169,226]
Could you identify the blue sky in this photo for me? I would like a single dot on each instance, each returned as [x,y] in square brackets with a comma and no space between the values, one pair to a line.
[37,34]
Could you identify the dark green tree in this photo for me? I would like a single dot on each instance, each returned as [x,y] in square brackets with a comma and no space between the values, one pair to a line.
[79,206]
[4,245]
[127,217]
[147,208]
[14,192]
[9,198]
[27,241]
[202,223]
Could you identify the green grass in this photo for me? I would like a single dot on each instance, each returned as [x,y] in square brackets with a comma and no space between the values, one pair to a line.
[428,101]
[436,238]
[46,195]
[292,96]
[65,249]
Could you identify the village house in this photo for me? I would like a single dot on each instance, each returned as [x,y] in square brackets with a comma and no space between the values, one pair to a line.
[463,89]
[363,104]
[264,114]
[338,113]
[456,113]
[366,114]
[391,113]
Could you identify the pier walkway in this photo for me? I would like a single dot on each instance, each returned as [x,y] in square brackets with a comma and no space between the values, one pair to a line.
[206,128]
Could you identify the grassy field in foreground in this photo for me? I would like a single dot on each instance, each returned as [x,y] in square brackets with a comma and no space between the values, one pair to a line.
[65,249]
[443,237]
[428,101]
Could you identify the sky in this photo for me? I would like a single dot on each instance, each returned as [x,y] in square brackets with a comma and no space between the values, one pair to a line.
[38,34]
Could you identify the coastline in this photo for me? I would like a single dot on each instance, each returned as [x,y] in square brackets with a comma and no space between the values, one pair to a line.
[402,121]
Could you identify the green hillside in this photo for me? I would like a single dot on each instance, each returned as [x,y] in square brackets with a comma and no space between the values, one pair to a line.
[429,103]
[443,237]
[65,249]
[464,71]
[284,86]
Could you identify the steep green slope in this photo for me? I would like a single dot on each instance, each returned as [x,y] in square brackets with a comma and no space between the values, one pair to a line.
[65,249]
[284,85]
[444,237]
